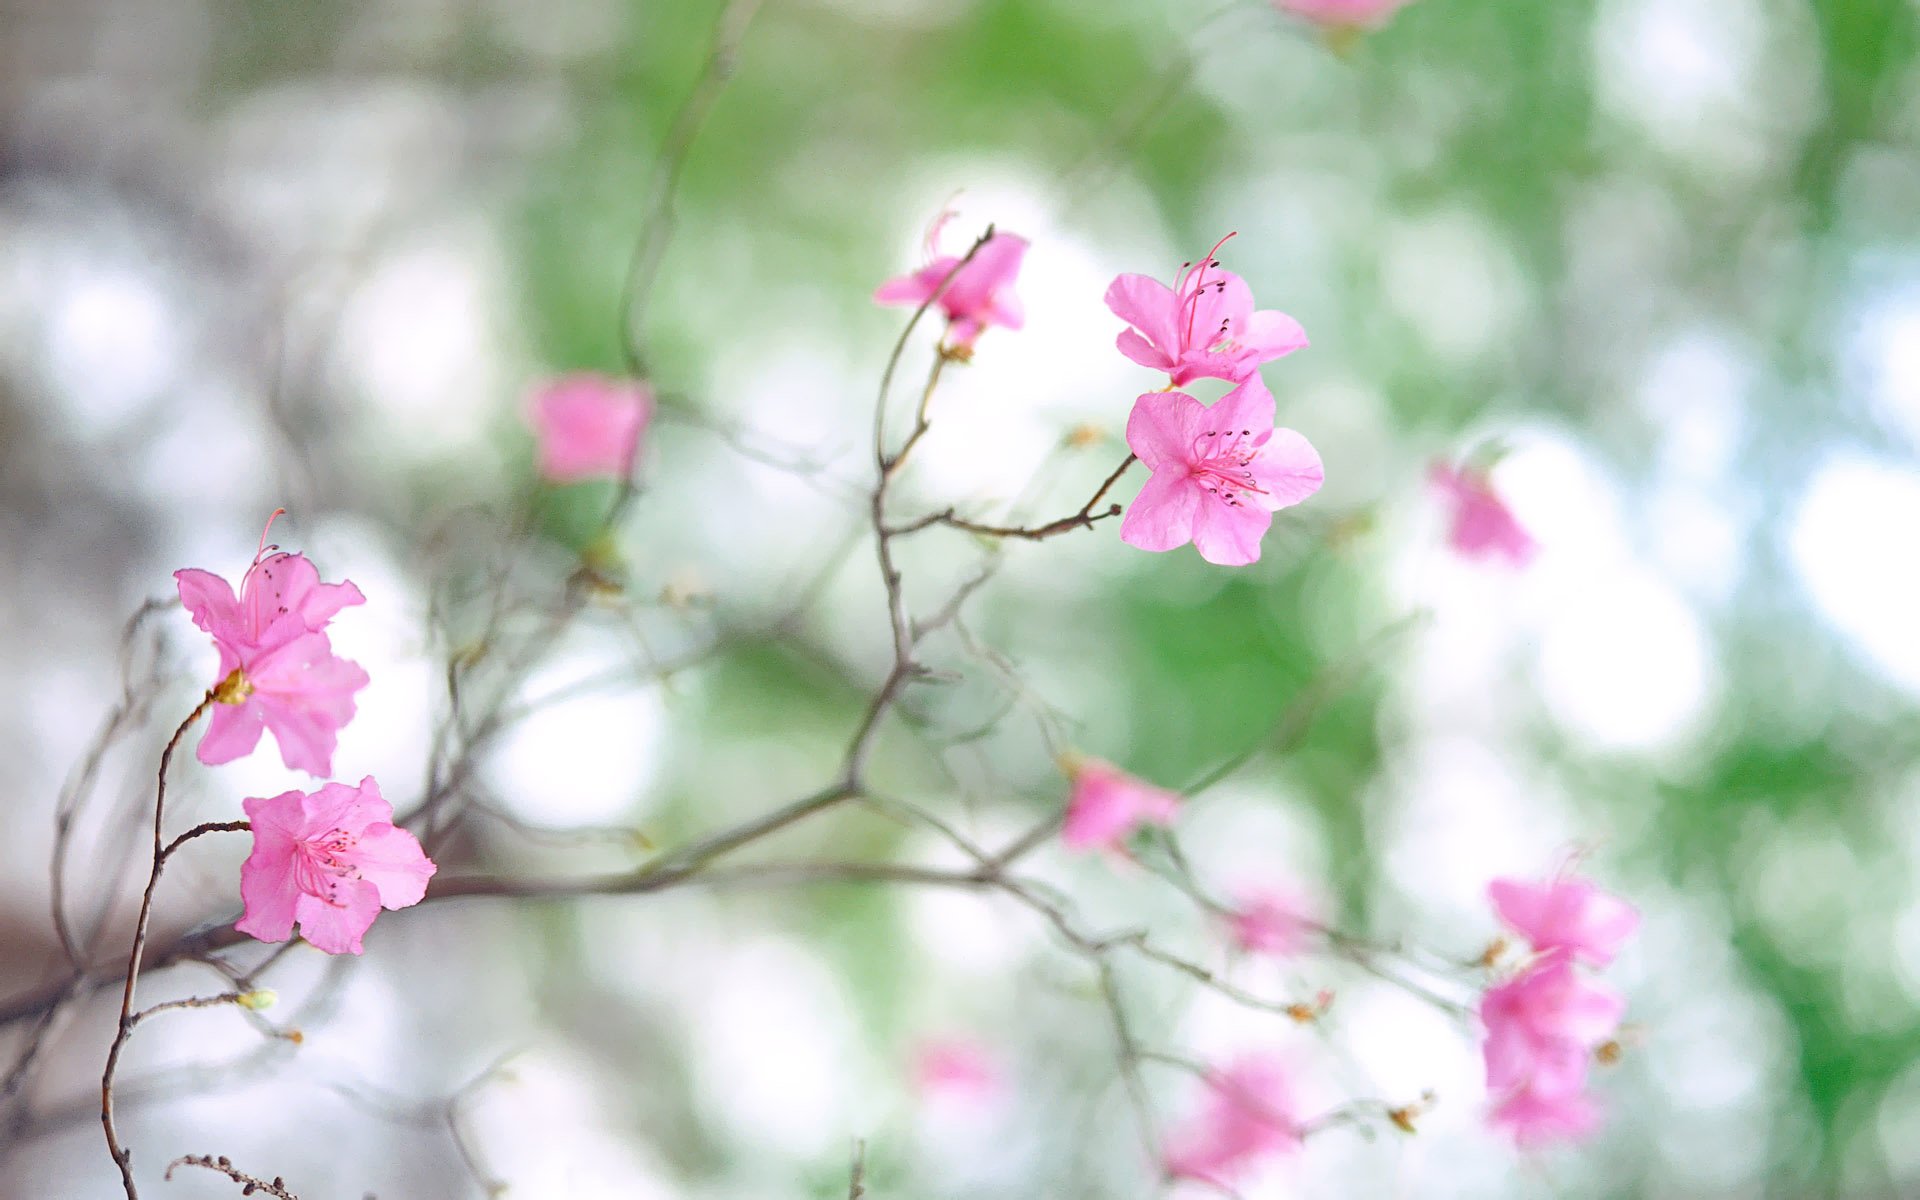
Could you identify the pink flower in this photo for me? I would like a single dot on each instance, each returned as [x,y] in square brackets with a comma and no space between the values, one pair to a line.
[277,668]
[1272,921]
[980,294]
[1534,1117]
[1203,327]
[331,860]
[589,426]
[1219,472]
[1343,14]
[956,1069]
[1248,1115]
[1566,915]
[1107,805]
[1542,1028]
[1483,526]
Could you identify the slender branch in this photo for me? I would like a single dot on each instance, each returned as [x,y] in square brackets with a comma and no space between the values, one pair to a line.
[1084,519]
[122,1157]
[190,1002]
[224,1166]
[659,222]
[202,831]
[857,1183]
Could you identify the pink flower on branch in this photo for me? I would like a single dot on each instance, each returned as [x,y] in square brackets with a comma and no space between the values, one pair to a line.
[1566,916]
[1273,921]
[589,426]
[1107,805]
[1343,14]
[1219,472]
[979,294]
[1247,1115]
[1541,1031]
[1203,327]
[329,860]
[278,670]
[1483,527]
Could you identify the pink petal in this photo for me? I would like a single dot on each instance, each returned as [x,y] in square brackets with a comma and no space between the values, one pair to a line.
[1228,535]
[1142,351]
[337,928]
[1288,467]
[916,288]
[1162,516]
[1249,406]
[1272,335]
[1163,426]
[283,593]
[267,887]
[232,732]
[210,601]
[391,859]
[1150,307]
[304,693]
[1224,301]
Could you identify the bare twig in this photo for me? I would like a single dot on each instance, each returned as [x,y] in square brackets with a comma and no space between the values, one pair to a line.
[658,224]
[222,1165]
[122,1157]
[856,1184]
[1084,519]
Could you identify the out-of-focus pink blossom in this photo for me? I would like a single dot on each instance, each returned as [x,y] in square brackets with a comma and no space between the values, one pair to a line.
[1247,1115]
[1203,327]
[1343,14]
[1482,524]
[956,1069]
[330,860]
[278,670]
[589,426]
[1271,920]
[1541,1031]
[980,293]
[1566,914]
[1219,472]
[1107,805]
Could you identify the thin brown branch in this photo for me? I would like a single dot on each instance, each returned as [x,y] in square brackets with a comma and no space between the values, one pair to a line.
[657,226]
[122,1157]
[1084,519]
[224,1166]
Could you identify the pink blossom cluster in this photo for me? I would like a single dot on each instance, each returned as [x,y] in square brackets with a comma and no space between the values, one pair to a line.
[1219,471]
[329,859]
[1544,1025]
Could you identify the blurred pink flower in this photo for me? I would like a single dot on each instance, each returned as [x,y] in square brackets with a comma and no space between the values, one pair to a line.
[1248,1115]
[1219,472]
[957,1069]
[1345,14]
[1272,920]
[1483,525]
[1541,1030]
[589,426]
[1107,805]
[277,668]
[1203,327]
[1566,914]
[331,860]
[980,294]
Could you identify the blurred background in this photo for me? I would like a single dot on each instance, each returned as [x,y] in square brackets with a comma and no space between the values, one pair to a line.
[1664,253]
